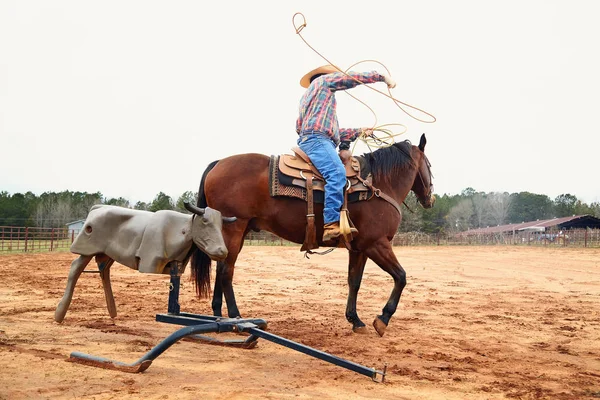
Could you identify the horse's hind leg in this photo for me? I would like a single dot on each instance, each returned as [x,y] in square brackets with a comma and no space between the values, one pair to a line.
[382,254]
[356,267]
[77,267]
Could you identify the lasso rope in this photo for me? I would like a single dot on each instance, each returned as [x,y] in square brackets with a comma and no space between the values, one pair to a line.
[387,136]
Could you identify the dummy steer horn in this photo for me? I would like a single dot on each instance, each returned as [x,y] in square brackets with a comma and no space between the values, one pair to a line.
[193,209]
[200,211]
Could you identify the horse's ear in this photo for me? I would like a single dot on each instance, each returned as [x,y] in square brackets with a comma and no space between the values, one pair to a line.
[422,143]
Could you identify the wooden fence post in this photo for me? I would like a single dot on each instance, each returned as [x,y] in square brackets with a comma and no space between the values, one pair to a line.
[26,232]
[52,240]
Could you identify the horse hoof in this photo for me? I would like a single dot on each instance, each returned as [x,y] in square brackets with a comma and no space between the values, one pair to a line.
[361,330]
[379,326]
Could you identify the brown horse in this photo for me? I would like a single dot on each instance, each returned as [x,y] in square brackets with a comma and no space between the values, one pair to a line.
[239,185]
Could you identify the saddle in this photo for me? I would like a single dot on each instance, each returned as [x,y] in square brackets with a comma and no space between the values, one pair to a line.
[299,167]
[297,170]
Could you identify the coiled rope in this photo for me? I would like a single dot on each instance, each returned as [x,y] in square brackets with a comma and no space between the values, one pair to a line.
[385,135]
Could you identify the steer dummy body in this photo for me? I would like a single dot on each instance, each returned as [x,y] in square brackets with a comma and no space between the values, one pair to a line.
[138,239]
[141,240]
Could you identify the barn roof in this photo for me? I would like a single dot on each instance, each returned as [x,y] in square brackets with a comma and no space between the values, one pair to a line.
[575,221]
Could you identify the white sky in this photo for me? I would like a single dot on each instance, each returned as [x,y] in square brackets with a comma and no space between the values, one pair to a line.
[131,98]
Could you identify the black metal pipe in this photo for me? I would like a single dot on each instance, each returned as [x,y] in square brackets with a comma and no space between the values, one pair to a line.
[144,362]
[321,355]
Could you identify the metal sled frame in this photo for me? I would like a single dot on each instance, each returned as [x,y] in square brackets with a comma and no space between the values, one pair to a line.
[196,325]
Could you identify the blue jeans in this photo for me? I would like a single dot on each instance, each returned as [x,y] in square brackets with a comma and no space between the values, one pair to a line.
[324,156]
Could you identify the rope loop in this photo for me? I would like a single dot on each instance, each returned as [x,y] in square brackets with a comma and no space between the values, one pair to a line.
[386,137]
[299,28]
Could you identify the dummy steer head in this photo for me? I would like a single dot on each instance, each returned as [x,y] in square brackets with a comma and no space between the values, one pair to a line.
[206,231]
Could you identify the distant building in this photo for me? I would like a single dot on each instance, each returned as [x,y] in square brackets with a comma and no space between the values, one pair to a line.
[75,226]
[558,224]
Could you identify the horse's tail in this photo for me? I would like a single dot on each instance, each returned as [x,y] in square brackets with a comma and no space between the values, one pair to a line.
[201,195]
[201,262]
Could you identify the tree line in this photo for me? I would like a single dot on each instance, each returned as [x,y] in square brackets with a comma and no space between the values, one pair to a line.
[472,209]
[451,213]
[55,210]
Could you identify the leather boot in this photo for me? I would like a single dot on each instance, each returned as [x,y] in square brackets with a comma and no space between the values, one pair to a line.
[331,231]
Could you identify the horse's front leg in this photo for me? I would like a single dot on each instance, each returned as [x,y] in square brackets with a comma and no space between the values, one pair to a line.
[356,267]
[227,286]
[382,254]
[217,301]
[234,239]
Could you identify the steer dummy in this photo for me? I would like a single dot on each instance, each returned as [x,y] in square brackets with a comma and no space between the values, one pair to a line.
[141,240]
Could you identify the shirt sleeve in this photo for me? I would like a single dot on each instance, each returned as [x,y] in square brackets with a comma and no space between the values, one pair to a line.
[349,134]
[341,81]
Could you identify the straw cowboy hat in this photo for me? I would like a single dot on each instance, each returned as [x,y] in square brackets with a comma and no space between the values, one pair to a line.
[325,69]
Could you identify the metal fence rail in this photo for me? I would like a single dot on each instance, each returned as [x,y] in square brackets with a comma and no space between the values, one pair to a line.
[570,238]
[30,239]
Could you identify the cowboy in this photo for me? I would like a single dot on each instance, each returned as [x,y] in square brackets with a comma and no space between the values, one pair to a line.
[320,135]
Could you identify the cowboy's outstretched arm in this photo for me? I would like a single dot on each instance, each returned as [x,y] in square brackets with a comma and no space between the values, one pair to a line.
[340,81]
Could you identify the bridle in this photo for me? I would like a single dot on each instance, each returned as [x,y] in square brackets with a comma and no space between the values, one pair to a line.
[429,189]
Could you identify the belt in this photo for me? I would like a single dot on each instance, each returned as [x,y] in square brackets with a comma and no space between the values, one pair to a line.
[325,135]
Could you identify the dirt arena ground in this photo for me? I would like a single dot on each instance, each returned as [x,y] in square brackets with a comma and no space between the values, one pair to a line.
[473,323]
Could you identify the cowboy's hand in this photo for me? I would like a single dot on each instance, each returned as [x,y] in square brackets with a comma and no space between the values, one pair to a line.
[389,82]
[345,155]
[367,132]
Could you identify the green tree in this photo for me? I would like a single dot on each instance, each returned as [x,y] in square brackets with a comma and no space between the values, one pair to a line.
[412,218]
[121,202]
[161,202]
[435,219]
[189,197]
[595,209]
[140,205]
[17,209]
[526,206]
[564,205]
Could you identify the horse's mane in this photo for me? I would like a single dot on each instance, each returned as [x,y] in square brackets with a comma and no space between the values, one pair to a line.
[390,160]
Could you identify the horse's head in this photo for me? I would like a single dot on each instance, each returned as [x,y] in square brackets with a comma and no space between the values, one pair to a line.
[423,185]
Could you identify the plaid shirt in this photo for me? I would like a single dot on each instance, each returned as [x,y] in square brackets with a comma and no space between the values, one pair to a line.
[318,105]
